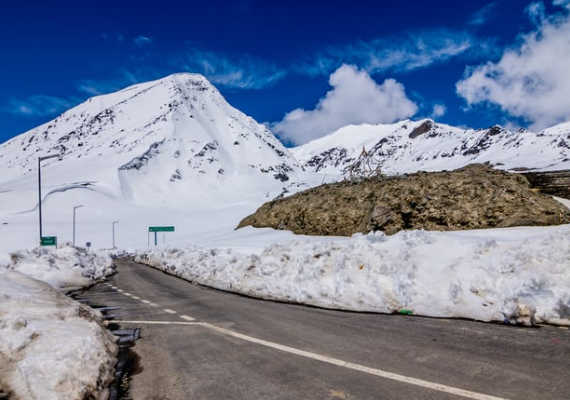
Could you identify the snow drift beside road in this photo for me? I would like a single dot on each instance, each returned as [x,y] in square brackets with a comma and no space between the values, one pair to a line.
[52,347]
[517,275]
[67,268]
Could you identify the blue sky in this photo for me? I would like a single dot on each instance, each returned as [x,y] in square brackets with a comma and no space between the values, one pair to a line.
[304,68]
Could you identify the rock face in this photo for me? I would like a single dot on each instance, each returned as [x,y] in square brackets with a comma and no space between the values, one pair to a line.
[556,183]
[474,197]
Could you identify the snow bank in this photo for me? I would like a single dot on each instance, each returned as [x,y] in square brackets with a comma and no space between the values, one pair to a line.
[66,268]
[52,347]
[518,275]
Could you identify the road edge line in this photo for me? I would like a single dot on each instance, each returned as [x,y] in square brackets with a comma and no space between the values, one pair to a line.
[357,367]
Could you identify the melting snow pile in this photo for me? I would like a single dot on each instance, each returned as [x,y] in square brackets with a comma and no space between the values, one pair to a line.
[52,347]
[518,275]
[66,268]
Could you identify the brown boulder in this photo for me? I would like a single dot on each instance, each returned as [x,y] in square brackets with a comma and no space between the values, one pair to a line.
[474,197]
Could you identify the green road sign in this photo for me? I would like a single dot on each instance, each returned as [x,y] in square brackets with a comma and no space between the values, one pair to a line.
[161,229]
[48,241]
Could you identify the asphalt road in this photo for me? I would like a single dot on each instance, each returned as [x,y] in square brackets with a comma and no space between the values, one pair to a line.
[198,343]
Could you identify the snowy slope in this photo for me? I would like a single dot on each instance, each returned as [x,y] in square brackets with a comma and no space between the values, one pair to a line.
[146,142]
[410,146]
[170,152]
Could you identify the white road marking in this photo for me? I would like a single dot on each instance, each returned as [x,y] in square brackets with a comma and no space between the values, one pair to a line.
[150,303]
[128,294]
[187,318]
[169,311]
[120,290]
[334,361]
[136,297]
[372,371]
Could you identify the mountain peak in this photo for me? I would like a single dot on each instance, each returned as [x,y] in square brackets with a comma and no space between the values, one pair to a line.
[409,146]
[181,79]
[150,137]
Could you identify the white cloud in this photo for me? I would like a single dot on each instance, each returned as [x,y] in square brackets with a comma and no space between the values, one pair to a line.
[531,81]
[142,41]
[536,12]
[119,38]
[439,110]
[399,53]
[244,72]
[562,3]
[38,106]
[355,98]
[483,15]
[95,88]
[124,77]
[222,70]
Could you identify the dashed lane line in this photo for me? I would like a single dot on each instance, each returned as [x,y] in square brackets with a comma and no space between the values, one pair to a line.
[187,318]
[150,303]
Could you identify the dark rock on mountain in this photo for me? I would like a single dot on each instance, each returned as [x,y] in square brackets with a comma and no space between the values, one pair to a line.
[420,130]
[555,183]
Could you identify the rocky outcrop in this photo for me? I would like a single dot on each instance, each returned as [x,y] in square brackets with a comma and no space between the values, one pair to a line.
[420,130]
[555,183]
[473,197]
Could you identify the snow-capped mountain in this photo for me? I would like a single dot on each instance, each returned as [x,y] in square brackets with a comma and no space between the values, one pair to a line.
[173,139]
[410,146]
[174,152]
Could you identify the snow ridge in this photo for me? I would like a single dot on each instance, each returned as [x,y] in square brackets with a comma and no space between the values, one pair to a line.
[410,146]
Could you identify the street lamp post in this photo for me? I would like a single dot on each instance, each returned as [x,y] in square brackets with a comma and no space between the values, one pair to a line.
[75,208]
[40,159]
[114,222]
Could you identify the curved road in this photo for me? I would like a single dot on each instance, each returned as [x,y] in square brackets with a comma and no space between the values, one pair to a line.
[199,343]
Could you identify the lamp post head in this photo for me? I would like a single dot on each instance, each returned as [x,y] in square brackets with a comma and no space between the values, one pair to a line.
[74,207]
[48,157]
